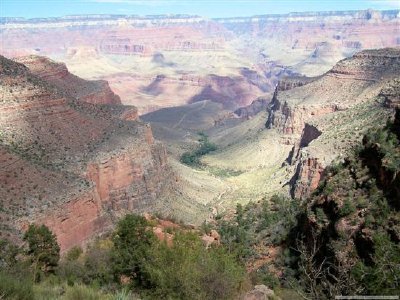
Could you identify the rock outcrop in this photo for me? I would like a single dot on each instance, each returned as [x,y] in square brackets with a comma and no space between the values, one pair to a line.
[234,70]
[96,92]
[254,108]
[325,117]
[260,292]
[72,165]
[390,95]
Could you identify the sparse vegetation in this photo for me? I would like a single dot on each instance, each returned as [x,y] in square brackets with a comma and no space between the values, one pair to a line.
[355,237]
[132,260]
[193,158]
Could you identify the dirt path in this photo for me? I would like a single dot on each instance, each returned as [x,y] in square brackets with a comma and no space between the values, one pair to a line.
[188,113]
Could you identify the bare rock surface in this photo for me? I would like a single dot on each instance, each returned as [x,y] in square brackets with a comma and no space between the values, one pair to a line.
[72,165]
[261,292]
[327,116]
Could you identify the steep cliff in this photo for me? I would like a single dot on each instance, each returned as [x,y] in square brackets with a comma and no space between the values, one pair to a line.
[350,229]
[326,117]
[317,40]
[72,165]
[96,92]
[235,60]
[260,104]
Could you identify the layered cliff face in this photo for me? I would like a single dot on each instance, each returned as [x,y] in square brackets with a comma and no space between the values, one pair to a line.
[150,92]
[325,117]
[317,40]
[120,35]
[96,92]
[233,60]
[69,164]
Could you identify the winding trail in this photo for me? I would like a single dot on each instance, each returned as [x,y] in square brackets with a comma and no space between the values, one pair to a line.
[188,113]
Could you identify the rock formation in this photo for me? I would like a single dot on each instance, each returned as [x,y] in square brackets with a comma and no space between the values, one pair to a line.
[260,292]
[254,108]
[96,92]
[72,165]
[200,59]
[327,116]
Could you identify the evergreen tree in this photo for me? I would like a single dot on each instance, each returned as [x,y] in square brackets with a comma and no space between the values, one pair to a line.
[42,249]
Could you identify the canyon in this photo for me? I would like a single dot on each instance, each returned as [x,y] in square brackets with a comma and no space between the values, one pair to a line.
[93,124]
[309,124]
[72,165]
[162,61]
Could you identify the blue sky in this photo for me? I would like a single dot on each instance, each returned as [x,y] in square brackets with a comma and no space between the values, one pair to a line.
[206,8]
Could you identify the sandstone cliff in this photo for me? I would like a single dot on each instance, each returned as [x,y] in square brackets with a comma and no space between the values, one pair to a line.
[96,92]
[235,60]
[72,165]
[326,117]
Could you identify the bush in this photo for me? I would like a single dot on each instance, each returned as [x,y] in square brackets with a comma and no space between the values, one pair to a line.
[74,253]
[193,158]
[190,159]
[347,209]
[264,276]
[98,265]
[82,292]
[15,288]
[8,256]
[183,270]
[382,277]
[187,270]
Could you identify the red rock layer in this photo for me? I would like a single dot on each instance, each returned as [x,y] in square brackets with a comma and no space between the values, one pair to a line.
[71,165]
[96,92]
[343,88]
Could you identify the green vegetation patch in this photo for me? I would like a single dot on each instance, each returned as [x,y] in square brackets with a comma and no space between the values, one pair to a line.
[193,158]
[223,173]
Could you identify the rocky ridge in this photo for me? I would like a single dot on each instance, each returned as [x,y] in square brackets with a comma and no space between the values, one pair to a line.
[325,117]
[95,92]
[259,50]
[71,165]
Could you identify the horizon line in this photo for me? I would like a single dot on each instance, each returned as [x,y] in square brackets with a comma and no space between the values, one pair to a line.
[195,15]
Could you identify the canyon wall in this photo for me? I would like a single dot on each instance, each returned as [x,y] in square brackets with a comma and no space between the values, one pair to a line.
[96,92]
[325,117]
[72,165]
[230,60]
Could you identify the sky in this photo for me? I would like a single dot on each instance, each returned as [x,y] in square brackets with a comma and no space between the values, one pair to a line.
[205,8]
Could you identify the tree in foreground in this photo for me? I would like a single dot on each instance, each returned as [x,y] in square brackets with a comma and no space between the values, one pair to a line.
[132,242]
[43,249]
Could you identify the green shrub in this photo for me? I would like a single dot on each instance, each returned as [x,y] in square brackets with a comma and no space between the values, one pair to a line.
[187,270]
[74,253]
[190,159]
[347,208]
[193,158]
[132,244]
[15,288]
[124,295]
[382,277]
[71,271]
[320,215]
[264,276]
[98,265]
[82,292]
